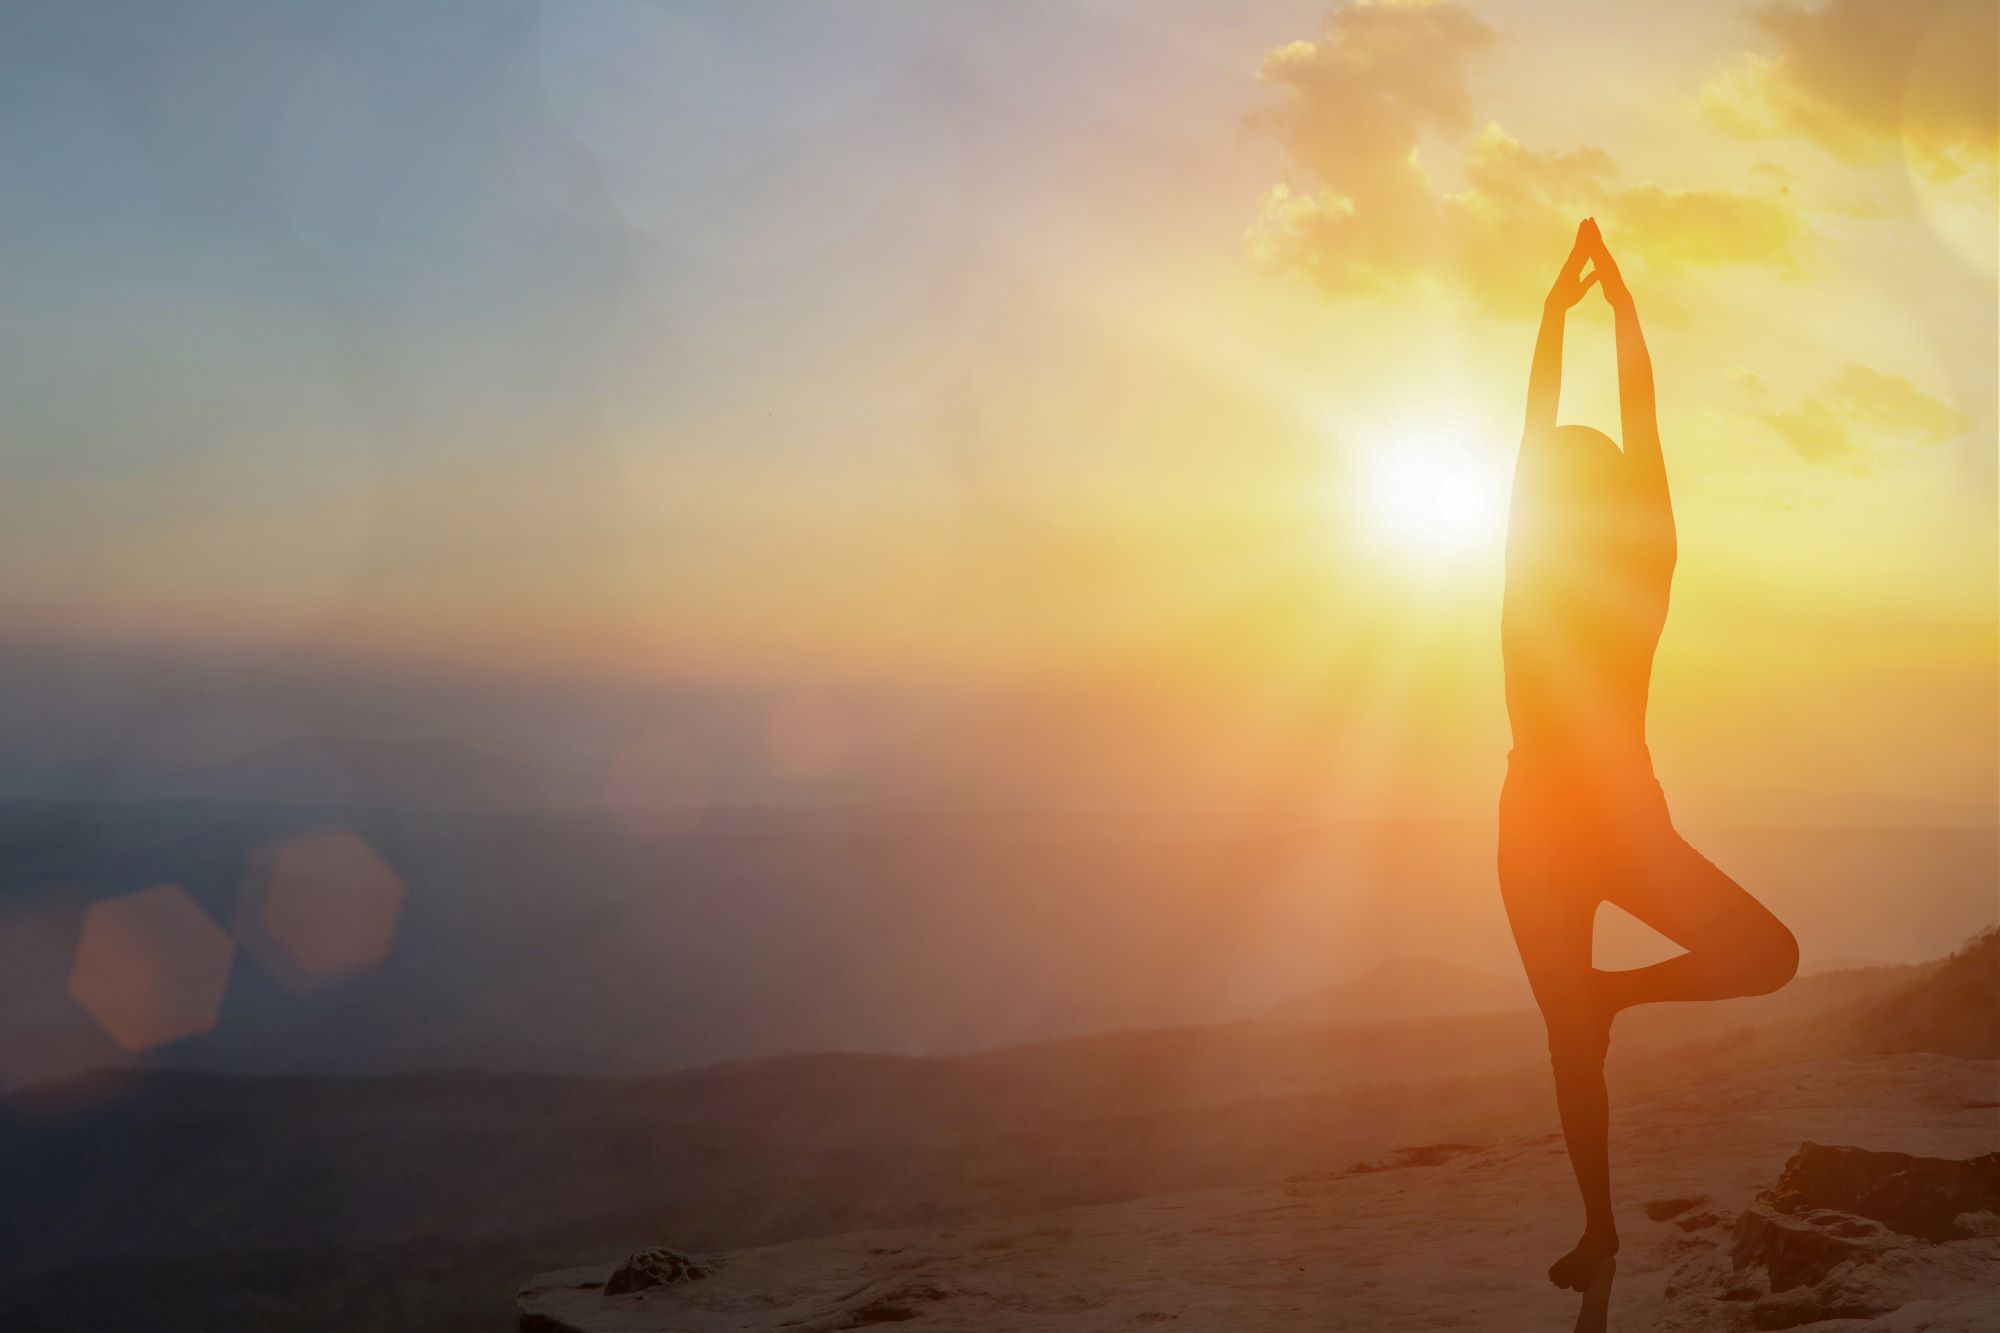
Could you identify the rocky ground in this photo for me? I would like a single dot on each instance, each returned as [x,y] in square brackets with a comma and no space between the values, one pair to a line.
[1730,1223]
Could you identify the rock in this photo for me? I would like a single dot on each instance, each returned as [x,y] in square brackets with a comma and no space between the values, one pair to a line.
[1840,1236]
[1701,1221]
[1301,1183]
[1916,1196]
[1984,1225]
[1430,1154]
[655,1268]
[1807,1305]
[894,1306]
[1797,1253]
[1662,1209]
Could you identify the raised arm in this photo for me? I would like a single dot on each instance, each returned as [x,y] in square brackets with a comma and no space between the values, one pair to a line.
[1545,375]
[1638,415]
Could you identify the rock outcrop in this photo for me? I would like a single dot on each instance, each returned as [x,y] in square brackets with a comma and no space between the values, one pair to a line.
[1933,1198]
[1850,1233]
[1802,1253]
[656,1267]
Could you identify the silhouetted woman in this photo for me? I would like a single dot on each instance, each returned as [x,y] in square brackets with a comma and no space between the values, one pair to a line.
[1590,556]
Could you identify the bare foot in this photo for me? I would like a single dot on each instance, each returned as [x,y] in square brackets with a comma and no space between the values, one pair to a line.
[1577,1269]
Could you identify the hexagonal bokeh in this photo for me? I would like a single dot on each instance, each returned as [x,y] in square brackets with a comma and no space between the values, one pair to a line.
[44,1033]
[151,967]
[319,907]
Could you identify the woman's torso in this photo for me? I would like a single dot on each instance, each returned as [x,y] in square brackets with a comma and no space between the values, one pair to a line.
[1577,635]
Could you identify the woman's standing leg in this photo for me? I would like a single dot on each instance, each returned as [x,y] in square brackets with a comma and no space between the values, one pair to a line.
[1553,911]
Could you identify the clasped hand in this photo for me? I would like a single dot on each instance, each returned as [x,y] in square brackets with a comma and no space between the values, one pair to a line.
[1573,282]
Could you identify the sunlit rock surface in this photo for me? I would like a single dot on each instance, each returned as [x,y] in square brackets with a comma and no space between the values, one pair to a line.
[1736,1217]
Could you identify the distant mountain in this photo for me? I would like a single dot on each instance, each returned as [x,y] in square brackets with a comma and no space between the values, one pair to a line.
[408,772]
[575,944]
[1815,967]
[1408,988]
[1954,1009]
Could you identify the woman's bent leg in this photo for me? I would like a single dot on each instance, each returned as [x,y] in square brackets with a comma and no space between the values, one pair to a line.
[1735,946]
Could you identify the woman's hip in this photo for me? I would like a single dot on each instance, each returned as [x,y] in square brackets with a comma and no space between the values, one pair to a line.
[1564,820]
[1575,788]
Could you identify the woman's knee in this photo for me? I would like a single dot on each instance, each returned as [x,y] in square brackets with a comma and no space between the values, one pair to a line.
[1577,1046]
[1773,962]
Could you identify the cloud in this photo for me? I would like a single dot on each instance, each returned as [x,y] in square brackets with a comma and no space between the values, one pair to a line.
[1677,229]
[1865,79]
[1366,219]
[1860,408]
[1380,73]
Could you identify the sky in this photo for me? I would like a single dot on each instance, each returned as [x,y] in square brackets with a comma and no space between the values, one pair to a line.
[1061,356]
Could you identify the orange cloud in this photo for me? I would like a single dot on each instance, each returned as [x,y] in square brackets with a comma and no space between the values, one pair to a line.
[1860,407]
[1370,221]
[1864,79]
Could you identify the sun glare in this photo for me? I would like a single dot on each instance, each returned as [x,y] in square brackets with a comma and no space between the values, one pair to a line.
[1435,494]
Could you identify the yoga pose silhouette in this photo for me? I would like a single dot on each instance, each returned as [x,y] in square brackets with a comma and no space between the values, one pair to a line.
[1590,557]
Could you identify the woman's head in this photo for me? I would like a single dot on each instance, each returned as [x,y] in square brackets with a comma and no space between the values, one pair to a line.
[1586,500]
[1585,467]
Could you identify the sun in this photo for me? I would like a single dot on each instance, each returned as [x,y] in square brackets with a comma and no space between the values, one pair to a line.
[1434,494]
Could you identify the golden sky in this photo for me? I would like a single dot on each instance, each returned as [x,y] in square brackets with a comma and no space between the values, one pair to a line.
[1061,351]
